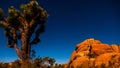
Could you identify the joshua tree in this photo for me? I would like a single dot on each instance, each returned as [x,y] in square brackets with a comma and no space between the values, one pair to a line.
[21,25]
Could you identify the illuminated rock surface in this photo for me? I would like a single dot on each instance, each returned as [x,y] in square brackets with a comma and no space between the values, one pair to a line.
[94,53]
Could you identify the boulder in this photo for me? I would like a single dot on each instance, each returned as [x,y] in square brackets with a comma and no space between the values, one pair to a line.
[115,48]
[94,53]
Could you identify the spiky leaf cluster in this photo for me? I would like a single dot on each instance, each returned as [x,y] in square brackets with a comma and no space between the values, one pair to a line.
[31,9]
[13,12]
[31,14]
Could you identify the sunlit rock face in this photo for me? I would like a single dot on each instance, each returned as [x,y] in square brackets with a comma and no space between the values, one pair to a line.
[94,53]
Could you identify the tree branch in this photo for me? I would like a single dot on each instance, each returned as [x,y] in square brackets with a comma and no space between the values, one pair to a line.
[17,50]
[33,19]
[3,25]
[21,19]
[14,35]
[20,30]
[37,34]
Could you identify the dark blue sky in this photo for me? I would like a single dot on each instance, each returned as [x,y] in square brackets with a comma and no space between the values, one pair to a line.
[69,23]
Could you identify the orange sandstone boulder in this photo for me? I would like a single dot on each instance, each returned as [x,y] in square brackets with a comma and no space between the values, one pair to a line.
[94,53]
[115,48]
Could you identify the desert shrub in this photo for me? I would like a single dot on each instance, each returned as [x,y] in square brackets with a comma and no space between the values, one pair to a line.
[16,64]
[58,66]
[5,65]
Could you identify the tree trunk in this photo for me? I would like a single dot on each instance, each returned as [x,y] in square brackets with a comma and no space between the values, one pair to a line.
[25,49]
[25,64]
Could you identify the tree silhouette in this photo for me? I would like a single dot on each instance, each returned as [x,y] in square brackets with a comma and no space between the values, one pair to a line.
[21,25]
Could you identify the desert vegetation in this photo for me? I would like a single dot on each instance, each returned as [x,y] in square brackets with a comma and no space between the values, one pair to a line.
[20,25]
[39,62]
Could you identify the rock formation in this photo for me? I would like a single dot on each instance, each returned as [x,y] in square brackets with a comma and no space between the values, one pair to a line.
[93,53]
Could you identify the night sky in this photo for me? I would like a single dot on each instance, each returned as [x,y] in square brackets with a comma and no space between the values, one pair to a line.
[69,23]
